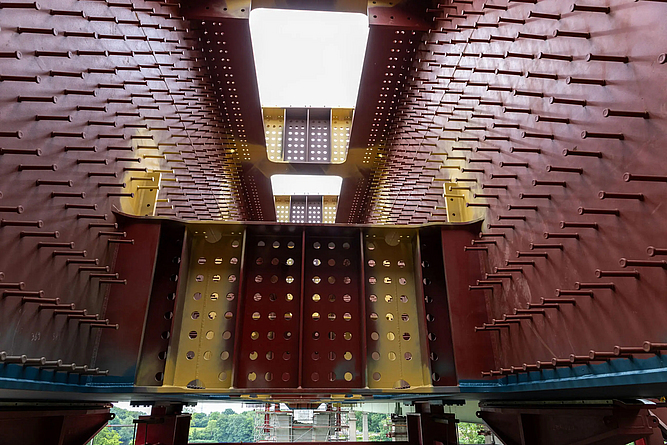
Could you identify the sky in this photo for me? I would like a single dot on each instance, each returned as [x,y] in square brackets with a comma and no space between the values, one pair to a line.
[209,407]
[204,407]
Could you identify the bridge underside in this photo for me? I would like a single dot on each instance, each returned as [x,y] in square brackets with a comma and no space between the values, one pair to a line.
[499,235]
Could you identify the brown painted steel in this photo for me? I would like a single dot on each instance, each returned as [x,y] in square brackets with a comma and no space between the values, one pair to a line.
[438,322]
[503,101]
[161,306]
[550,424]
[547,117]
[126,91]
[320,309]
[467,309]
[332,318]
[430,425]
[269,333]
[67,424]
[119,350]
[395,31]
[166,425]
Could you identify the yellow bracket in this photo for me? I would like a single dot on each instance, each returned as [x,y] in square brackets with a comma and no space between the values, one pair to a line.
[456,197]
[144,187]
[341,125]
[339,133]
[282,204]
[274,121]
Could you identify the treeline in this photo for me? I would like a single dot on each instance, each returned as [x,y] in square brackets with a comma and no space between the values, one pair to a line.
[378,426]
[119,435]
[226,426]
[229,426]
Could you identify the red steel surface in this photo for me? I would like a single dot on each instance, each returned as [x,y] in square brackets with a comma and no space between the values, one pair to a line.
[332,339]
[119,350]
[270,315]
[160,314]
[553,116]
[491,98]
[53,425]
[119,89]
[438,323]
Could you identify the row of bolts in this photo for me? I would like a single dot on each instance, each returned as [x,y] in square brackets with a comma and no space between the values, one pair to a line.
[582,289]
[38,296]
[662,58]
[68,54]
[89,265]
[104,277]
[55,365]
[593,356]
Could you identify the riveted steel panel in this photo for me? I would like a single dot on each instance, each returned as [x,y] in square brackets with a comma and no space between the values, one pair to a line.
[546,117]
[332,317]
[269,336]
[392,298]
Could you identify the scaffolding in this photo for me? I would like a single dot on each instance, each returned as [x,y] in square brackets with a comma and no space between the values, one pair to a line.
[398,428]
[273,424]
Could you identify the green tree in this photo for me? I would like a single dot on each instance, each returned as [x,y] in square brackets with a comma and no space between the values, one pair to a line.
[234,427]
[226,426]
[468,433]
[107,437]
[198,435]
[379,425]
[376,422]
[208,432]
[199,420]
[125,417]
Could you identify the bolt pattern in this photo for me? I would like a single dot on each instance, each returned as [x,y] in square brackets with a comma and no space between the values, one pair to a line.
[93,92]
[543,118]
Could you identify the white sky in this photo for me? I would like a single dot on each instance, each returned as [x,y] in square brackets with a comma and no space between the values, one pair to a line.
[209,407]
[318,185]
[308,58]
[202,407]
